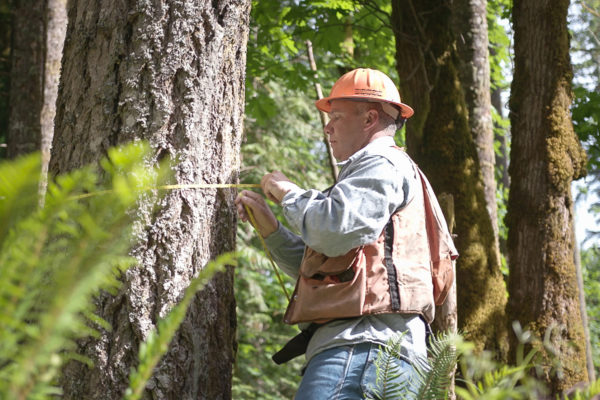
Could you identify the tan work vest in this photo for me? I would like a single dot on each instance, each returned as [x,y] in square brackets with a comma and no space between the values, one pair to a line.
[391,275]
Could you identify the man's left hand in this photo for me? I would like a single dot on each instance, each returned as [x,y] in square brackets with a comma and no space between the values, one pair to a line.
[275,185]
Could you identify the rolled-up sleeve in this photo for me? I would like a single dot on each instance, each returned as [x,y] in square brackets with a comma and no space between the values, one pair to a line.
[356,210]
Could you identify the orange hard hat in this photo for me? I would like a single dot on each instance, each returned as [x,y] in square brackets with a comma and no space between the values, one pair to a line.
[370,85]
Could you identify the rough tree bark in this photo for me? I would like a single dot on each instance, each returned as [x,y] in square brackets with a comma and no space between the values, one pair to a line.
[545,158]
[439,139]
[471,32]
[172,73]
[26,77]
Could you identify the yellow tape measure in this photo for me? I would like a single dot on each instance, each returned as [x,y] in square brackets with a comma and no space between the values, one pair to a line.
[267,252]
[182,186]
[215,186]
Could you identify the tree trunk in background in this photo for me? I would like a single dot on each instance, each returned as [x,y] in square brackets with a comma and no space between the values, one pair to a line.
[171,73]
[545,158]
[502,158]
[439,139]
[589,359]
[26,77]
[38,35]
[5,60]
[56,28]
[501,136]
[471,32]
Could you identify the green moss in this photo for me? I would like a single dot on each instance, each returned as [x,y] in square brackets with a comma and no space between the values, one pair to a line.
[545,157]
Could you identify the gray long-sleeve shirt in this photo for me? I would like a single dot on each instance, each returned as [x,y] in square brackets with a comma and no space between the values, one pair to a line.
[372,184]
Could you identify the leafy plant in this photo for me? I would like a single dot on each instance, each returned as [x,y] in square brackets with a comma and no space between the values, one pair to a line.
[478,376]
[390,380]
[55,258]
[431,379]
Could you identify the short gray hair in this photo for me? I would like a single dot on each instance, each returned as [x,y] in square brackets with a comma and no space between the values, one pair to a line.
[386,120]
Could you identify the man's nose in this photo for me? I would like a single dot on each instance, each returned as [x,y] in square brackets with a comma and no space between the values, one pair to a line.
[327,128]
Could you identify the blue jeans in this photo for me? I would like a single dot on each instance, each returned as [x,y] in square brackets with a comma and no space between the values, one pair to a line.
[344,373]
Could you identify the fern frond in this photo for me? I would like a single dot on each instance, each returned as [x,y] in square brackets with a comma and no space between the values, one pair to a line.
[390,380]
[55,258]
[435,376]
[590,392]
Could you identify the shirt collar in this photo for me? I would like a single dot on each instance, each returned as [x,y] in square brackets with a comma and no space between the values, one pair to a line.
[385,141]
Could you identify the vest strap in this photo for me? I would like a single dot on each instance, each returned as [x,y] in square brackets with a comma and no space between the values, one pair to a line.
[296,346]
[389,265]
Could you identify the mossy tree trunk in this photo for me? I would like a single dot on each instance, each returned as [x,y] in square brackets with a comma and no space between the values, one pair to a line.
[471,32]
[439,139]
[545,158]
[171,73]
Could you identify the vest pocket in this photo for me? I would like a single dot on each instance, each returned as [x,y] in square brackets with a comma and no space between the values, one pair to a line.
[317,264]
[321,300]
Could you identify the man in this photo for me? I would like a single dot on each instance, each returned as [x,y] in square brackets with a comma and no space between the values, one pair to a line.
[361,257]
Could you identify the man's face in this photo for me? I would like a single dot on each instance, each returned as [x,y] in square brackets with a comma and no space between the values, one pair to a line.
[346,128]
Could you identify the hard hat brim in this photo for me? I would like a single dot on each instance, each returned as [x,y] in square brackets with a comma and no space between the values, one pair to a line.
[324,104]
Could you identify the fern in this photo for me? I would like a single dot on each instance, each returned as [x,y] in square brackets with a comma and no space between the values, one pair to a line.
[54,260]
[431,378]
[592,391]
[390,382]
[483,378]
[435,378]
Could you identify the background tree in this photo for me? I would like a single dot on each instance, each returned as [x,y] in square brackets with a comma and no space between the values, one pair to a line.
[26,77]
[55,28]
[471,33]
[584,25]
[500,63]
[591,276]
[38,33]
[440,141]
[5,45]
[171,73]
[545,157]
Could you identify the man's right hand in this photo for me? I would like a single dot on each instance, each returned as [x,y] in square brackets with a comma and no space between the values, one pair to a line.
[264,217]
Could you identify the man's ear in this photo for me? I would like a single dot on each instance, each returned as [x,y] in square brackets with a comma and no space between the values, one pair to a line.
[372,118]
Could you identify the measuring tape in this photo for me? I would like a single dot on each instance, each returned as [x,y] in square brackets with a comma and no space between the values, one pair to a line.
[267,252]
[173,187]
[215,186]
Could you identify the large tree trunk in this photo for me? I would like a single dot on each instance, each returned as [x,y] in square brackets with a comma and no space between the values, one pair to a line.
[439,139]
[172,73]
[545,157]
[26,77]
[471,30]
